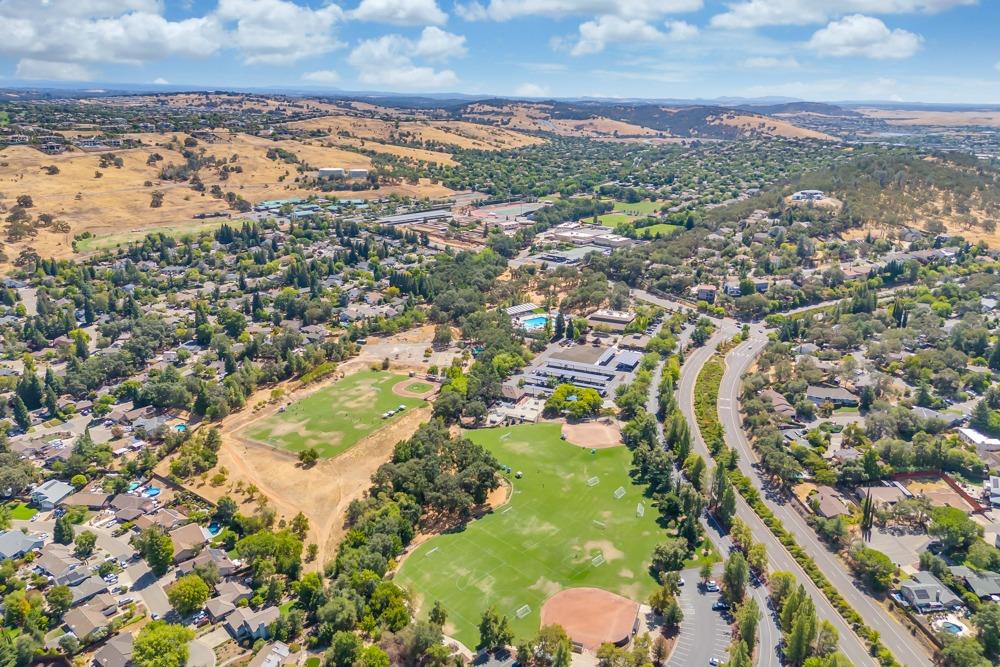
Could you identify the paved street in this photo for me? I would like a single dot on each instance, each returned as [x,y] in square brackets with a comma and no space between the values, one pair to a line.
[692,646]
[779,558]
[907,650]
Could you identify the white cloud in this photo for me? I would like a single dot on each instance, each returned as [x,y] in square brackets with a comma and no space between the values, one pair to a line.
[387,61]
[503,10]
[280,32]
[160,81]
[680,31]
[531,90]
[94,32]
[756,13]
[50,70]
[596,35]
[437,44]
[771,62]
[471,11]
[859,35]
[321,76]
[400,12]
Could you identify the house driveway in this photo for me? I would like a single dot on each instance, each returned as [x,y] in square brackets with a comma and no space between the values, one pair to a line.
[200,654]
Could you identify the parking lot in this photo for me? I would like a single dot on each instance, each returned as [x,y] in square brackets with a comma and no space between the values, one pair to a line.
[704,634]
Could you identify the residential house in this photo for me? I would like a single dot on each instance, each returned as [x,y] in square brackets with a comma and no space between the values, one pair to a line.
[705,293]
[217,609]
[47,495]
[116,652]
[274,654]
[984,584]
[14,544]
[188,541]
[245,623]
[87,589]
[838,396]
[233,591]
[87,619]
[90,499]
[983,443]
[828,502]
[217,557]
[779,404]
[926,593]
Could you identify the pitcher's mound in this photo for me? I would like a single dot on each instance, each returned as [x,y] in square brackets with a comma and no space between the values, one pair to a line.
[597,435]
[591,616]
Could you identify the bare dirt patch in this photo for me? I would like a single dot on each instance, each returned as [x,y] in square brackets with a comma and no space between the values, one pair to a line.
[596,434]
[403,389]
[591,616]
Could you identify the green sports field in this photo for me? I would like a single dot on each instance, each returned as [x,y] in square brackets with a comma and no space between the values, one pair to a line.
[335,417]
[624,212]
[562,516]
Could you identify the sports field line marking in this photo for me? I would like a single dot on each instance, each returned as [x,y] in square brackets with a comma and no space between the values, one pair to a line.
[431,552]
[593,481]
[600,524]
[619,493]
[506,435]
[597,560]
[522,611]
[506,509]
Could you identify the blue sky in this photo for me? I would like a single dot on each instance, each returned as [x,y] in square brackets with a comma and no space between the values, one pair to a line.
[907,50]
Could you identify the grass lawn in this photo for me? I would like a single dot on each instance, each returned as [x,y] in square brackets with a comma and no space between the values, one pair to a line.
[663,229]
[21,512]
[543,540]
[4,118]
[114,240]
[335,417]
[419,387]
[614,219]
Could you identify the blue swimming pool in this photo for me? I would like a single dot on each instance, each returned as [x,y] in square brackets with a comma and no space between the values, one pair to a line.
[534,322]
[214,528]
[151,492]
[952,628]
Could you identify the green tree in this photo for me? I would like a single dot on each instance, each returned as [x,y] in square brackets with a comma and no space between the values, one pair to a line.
[954,528]
[63,532]
[494,630]
[372,656]
[161,644]
[438,616]
[308,457]
[157,548]
[987,621]
[188,594]
[21,415]
[739,656]
[84,544]
[873,566]
[735,575]
[343,651]
[963,652]
[59,599]
[747,620]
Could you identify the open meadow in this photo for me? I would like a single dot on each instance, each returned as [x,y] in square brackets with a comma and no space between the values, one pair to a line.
[337,416]
[572,521]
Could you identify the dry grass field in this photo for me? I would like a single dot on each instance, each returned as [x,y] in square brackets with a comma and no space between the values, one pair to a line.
[940,118]
[771,127]
[118,201]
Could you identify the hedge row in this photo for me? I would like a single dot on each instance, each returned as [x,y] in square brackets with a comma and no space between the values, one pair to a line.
[706,413]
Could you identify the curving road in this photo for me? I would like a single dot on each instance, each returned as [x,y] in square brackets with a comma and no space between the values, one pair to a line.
[704,634]
[894,635]
[778,557]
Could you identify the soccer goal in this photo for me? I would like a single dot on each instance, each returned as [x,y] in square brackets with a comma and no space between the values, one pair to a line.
[640,510]
[619,492]
[522,611]
[597,560]
[593,481]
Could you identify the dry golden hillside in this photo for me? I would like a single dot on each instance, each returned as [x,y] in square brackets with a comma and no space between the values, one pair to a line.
[118,201]
[460,134]
[769,126]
